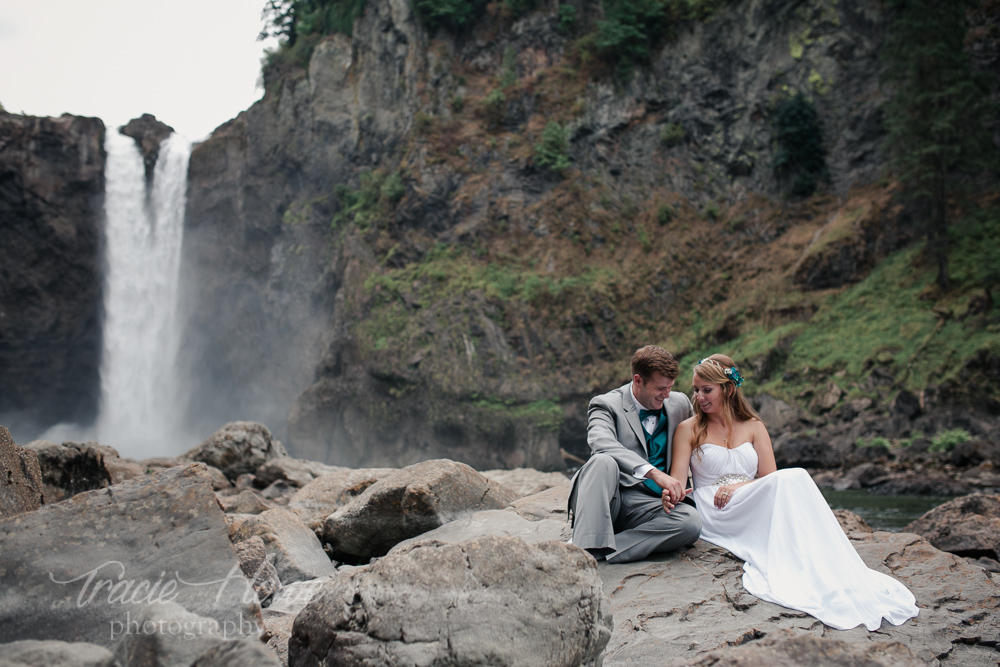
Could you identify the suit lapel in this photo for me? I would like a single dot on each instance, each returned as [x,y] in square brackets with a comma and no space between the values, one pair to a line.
[632,417]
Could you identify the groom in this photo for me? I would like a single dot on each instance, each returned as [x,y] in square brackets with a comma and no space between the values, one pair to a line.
[623,504]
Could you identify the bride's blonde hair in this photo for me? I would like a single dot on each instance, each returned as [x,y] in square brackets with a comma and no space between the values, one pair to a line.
[721,370]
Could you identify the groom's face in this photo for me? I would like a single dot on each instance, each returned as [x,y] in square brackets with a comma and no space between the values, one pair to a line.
[652,392]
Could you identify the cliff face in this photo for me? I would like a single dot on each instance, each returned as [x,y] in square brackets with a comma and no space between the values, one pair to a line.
[376,251]
[51,208]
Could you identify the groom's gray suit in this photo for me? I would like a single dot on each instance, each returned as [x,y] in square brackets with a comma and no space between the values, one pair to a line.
[612,512]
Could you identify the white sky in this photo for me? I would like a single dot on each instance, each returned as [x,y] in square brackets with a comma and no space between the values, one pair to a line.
[194,64]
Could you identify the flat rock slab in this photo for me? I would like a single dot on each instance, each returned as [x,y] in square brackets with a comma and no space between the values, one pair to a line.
[298,554]
[54,653]
[70,571]
[408,503]
[690,603]
[489,601]
[20,477]
[548,504]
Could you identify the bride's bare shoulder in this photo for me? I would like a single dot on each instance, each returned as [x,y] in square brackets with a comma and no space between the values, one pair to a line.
[686,426]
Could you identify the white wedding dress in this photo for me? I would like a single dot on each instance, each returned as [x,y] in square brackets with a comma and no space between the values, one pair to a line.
[796,553]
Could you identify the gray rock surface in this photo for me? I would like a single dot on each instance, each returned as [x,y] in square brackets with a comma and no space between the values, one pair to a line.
[257,568]
[967,526]
[549,504]
[691,605]
[20,478]
[493,600]
[325,495]
[526,481]
[244,502]
[494,522]
[412,501]
[72,569]
[167,635]
[238,448]
[297,472]
[298,554]
[51,271]
[54,653]
[784,647]
[148,134]
[244,653]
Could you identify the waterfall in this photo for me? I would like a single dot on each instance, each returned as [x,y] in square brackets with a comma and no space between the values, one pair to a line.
[140,406]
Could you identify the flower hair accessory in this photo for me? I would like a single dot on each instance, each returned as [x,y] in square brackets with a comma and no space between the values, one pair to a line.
[732,373]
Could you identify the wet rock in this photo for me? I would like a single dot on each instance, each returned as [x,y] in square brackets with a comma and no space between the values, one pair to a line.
[325,495]
[244,502]
[803,451]
[296,472]
[238,448]
[298,554]
[54,653]
[973,453]
[148,133]
[493,600]
[860,477]
[73,467]
[408,503]
[256,567]
[20,478]
[691,604]
[968,526]
[159,537]
[984,476]
[526,481]
[926,483]
[917,451]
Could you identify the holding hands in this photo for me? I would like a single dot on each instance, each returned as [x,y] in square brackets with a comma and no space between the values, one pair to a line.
[673,490]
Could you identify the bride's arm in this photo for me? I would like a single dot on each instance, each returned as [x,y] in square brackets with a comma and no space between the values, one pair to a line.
[765,453]
[681,460]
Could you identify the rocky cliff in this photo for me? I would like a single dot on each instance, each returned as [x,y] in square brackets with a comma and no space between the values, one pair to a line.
[51,211]
[381,251]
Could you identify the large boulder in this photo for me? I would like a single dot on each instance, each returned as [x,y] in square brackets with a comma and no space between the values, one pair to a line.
[74,467]
[148,134]
[967,526]
[238,448]
[325,495]
[77,569]
[548,504]
[488,601]
[20,478]
[412,501]
[55,653]
[497,523]
[298,554]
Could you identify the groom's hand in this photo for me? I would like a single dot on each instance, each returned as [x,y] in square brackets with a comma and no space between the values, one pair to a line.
[673,490]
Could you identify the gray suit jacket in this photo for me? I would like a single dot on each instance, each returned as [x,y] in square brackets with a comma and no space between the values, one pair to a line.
[613,428]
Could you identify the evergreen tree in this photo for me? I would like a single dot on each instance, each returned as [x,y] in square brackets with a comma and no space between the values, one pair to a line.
[936,117]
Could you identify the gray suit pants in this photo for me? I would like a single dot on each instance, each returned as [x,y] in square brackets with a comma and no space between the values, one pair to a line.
[627,520]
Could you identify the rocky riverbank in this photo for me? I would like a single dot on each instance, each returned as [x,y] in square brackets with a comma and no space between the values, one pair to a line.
[236,553]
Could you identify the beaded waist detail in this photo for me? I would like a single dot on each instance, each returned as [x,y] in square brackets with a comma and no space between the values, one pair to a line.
[731,478]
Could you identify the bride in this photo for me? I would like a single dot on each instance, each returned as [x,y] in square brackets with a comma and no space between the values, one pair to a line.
[777,521]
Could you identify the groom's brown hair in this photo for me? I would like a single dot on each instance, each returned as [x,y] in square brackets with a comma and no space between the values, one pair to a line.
[654,359]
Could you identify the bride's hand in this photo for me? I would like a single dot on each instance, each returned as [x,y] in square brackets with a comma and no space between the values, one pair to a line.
[724,494]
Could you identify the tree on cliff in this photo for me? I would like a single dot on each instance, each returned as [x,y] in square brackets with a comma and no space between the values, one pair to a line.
[937,137]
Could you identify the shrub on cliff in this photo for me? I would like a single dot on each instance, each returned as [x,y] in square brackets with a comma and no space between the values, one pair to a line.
[800,156]
[552,151]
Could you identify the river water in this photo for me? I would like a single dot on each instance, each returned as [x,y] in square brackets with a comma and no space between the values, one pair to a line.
[889,513]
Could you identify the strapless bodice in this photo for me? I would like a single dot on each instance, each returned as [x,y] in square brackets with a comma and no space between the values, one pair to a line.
[711,462]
